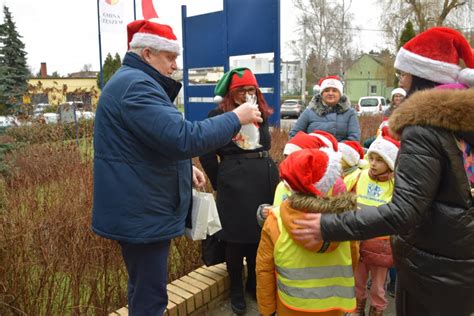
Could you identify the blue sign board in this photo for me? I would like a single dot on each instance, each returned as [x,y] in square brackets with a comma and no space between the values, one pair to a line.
[244,27]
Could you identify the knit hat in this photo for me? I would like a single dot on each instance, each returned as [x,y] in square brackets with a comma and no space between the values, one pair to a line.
[331,82]
[387,148]
[302,141]
[398,91]
[143,33]
[311,171]
[434,55]
[234,78]
[352,153]
[328,139]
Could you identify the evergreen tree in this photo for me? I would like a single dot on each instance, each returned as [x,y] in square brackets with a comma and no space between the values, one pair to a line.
[407,34]
[111,65]
[14,72]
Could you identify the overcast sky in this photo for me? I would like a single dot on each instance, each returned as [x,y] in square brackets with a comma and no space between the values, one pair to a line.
[64,33]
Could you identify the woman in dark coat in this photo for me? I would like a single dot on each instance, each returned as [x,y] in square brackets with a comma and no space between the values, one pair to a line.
[244,177]
[431,216]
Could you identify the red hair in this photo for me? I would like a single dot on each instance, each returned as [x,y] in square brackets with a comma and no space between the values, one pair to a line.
[228,104]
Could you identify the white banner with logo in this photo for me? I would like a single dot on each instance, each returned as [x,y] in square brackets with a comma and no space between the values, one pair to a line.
[111,16]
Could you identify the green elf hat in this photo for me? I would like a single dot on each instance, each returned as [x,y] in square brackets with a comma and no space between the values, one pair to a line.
[234,78]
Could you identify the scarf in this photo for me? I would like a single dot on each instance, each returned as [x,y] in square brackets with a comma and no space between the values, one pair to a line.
[381,177]
[321,109]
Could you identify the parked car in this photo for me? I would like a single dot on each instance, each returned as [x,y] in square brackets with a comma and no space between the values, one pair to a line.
[51,118]
[371,105]
[8,121]
[292,108]
[85,115]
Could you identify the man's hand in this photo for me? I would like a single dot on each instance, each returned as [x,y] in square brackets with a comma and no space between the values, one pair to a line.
[199,180]
[309,228]
[248,113]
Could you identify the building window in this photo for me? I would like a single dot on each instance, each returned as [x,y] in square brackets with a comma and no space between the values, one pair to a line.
[373,89]
[84,97]
[39,98]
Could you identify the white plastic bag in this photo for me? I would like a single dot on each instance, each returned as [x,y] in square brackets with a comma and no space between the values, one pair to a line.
[213,220]
[248,137]
[204,217]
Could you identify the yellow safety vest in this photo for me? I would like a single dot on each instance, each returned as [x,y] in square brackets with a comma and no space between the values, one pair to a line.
[371,192]
[310,281]
[374,193]
[282,192]
[350,180]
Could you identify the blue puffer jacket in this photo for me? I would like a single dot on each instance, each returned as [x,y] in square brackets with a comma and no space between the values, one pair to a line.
[142,151]
[340,121]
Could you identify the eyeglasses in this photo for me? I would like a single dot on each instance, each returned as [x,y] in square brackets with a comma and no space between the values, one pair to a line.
[401,75]
[250,90]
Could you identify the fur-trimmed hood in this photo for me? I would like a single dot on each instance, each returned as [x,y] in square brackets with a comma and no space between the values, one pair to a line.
[452,110]
[316,104]
[298,204]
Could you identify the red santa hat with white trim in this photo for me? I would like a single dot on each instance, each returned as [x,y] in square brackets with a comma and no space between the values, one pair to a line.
[434,55]
[331,82]
[311,171]
[328,139]
[144,33]
[302,141]
[352,153]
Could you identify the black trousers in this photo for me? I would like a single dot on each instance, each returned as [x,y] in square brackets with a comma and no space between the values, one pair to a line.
[234,255]
[147,267]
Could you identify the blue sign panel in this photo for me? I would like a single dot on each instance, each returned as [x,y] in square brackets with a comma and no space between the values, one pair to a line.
[244,27]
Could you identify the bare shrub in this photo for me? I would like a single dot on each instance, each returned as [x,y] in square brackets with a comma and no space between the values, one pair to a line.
[51,262]
[369,125]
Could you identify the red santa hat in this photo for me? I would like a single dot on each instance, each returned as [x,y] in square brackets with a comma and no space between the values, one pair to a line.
[434,55]
[328,139]
[144,33]
[302,141]
[331,82]
[387,148]
[311,171]
[352,153]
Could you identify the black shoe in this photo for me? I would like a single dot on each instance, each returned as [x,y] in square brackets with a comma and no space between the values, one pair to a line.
[391,289]
[237,303]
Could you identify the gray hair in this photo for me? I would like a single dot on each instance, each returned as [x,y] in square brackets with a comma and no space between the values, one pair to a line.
[139,50]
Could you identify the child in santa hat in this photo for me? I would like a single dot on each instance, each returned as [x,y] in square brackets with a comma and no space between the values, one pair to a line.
[375,187]
[301,140]
[352,162]
[310,279]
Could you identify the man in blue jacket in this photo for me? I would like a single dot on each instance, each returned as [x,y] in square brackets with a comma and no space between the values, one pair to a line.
[143,173]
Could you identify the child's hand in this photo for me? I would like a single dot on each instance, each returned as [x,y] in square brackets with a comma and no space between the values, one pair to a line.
[262,213]
[472,192]
[265,211]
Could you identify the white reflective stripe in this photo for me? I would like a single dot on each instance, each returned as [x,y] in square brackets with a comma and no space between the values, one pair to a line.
[318,292]
[311,273]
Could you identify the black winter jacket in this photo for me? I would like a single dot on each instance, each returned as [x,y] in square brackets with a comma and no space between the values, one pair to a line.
[431,214]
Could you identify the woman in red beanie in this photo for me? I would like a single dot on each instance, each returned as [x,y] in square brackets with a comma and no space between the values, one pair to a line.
[244,176]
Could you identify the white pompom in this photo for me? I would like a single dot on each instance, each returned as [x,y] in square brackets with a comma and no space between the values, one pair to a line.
[218,99]
[466,76]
